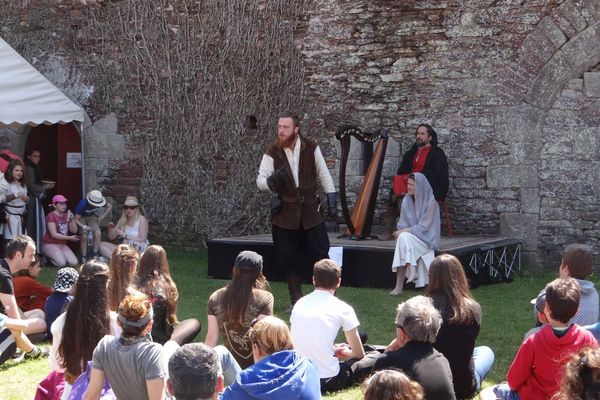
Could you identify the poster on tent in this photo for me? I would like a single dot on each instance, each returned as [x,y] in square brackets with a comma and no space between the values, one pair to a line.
[73,160]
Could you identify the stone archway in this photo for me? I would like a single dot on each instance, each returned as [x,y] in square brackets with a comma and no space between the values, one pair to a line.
[563,46]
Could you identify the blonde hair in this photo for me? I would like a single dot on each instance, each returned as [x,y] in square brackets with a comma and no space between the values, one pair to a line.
[271,335]
[392,385]
[122,222]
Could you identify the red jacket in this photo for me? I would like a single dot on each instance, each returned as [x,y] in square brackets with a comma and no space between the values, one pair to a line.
[30,293]
[538,366]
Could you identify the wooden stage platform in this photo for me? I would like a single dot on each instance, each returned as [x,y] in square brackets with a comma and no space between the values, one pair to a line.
[367,263]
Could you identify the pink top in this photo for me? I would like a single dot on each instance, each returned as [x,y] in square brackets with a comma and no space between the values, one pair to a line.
[62,227]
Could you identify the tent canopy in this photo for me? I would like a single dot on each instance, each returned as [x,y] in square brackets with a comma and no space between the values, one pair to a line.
[27,97]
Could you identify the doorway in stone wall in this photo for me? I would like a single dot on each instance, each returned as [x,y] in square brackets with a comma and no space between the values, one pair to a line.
[60,149]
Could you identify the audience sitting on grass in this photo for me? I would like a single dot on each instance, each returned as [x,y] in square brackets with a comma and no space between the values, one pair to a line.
[195,373]
[230,310]
[461,322]
[133,365]
[131,229]
[279,372]
[30,293]
[88,213]
[412,351]
[8,346]
[63,290]
[122,267]
[389,384]
[581,379]
[77,331]
[537,369]
[316,320]
[577,263]
[20,252]
[59,224]
[153,278]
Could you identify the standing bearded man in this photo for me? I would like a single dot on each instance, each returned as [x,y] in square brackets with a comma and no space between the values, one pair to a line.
[290,170]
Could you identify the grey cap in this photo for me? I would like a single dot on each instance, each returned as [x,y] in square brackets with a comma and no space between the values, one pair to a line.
[249,260]
[540,301]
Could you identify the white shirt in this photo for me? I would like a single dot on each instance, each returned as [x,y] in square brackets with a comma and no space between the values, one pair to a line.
[316,320]
[266,168]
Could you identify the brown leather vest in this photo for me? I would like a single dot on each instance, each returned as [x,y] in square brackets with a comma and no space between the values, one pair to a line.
[299,203]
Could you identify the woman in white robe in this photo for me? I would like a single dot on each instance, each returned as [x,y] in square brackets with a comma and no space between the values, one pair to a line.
[418,233]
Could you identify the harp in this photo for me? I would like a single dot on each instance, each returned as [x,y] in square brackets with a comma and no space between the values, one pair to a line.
[359,225]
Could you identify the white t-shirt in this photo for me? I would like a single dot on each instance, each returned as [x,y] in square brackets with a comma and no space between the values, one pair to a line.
[316,320]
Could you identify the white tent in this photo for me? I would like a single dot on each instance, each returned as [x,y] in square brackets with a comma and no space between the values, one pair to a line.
[27,97]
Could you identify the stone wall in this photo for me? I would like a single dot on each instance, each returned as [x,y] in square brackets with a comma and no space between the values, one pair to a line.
[505,84]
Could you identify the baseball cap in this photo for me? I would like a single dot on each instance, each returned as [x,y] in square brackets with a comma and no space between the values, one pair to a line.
[249,260]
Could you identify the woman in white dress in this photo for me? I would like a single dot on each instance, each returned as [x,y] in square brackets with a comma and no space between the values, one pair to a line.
[16,199]
[132,228]
[418,234]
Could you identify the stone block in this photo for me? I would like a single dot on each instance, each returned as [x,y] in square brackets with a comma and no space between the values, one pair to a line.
[550,81]
[96,164]
[98,145]
[591,84]
[530,200]
[502,176]
[552,31]
[571,14]
[106,125]
[518,123]
[522,226]
[355,167]
[393,148]
[390,166]
[583,50]
[575,84]
[593,8]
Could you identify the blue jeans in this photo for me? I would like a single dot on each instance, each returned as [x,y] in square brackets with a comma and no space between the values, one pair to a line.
[504,392]
[229,365]
[483,358]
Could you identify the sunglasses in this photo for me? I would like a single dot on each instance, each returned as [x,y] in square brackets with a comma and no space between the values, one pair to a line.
[130,207]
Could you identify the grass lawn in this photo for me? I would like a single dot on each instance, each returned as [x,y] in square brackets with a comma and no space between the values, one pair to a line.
[507,315]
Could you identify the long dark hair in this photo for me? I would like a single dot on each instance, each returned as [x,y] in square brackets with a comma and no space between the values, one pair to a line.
[87,319]
[239,292]
[9,171]
[431,132]
[449,289]
[153,277]
[122,268]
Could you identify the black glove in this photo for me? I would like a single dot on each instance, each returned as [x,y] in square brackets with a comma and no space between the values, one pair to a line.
[276,181]
[331,205]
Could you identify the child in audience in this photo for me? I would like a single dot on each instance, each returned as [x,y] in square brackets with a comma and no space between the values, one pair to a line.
[231,309]
[122,266]
[133,365]
[581,379]
[63,290]
[16,199]
[59,223]
[77,331]
[153,278]
[461,316]
[538,366]
[89,211]
[279,372]
[30,293]
[577,263]
[389,384]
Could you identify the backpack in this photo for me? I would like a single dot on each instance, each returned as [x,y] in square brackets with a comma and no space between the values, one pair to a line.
[8,347]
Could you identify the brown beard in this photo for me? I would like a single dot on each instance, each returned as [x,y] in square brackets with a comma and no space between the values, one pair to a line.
[287,143]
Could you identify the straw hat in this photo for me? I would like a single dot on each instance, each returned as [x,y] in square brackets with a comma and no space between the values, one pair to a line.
[131,201]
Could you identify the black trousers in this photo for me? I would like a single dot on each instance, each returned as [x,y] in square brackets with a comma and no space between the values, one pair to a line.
[298,250]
